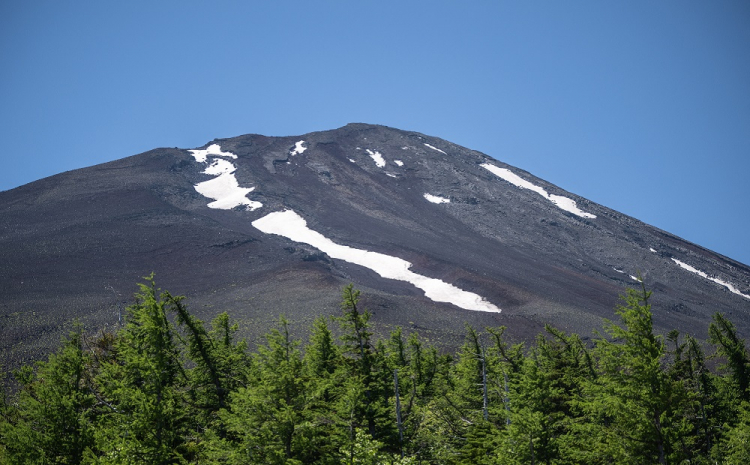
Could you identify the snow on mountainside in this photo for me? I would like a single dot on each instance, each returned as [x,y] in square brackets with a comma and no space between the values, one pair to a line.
[434,234]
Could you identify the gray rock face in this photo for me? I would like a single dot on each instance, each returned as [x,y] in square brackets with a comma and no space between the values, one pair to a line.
[72,246]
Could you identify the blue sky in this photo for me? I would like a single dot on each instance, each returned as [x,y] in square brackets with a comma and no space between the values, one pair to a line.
[643,107]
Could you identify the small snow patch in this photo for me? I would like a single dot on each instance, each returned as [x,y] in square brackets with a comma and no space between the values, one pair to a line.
[352,161]
[298,149]
[398,162]
[436,199]
[377,157]
[635,278]
[619,271]
[214,150]
[224,188]
[562,202]
[702,274]
[292,226]
[435,148]
[227,193]
[391,175]
[651,249]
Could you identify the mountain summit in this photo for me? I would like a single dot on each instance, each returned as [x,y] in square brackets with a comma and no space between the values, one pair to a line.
[434,234]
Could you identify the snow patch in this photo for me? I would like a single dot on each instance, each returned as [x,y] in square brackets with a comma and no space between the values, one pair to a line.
[224,188]
[704,275]
[435,148]
[219,167]
[436,199]
[298,149]
[391,175]
[651,249]
[398,162]
[213,149]
[560,201]
[619,271]
[351,160]
[377,157]
[635,278]
[292,226]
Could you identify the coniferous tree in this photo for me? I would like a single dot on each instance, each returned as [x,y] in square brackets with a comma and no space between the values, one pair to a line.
[633,406]
[160,393]
[732,389]
[53,419]
[323,381]
[366,373]
[470,400]
[544,394]
[265,417]
[734,448]
[144,386]
[731,347]
[700,414]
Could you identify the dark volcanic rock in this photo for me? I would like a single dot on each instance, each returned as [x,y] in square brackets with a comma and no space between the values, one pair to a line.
[72,246]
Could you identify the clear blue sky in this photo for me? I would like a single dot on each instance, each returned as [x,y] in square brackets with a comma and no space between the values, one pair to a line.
[642,106]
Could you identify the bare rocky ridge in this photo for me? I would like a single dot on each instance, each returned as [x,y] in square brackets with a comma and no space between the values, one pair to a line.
[74,245]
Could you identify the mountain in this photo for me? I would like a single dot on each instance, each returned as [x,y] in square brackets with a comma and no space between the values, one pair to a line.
[434,234]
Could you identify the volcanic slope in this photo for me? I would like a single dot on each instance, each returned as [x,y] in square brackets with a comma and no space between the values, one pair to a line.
[434,234]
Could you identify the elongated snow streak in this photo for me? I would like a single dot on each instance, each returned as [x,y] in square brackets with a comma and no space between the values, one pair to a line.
[651,249]
[634,278]
[377,157]
[298,149]
[716,280]
[435,148]
[398,162]
[436,199]
[214,150]
[224,188]
[562,202]
[292,226]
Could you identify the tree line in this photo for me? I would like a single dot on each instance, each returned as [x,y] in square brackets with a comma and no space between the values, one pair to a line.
[166,388]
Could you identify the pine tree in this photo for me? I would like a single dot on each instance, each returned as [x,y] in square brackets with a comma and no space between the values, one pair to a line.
[632,407]
[732,389]
[469,399]
[366,372]
[52,421]
[144,387]
[735,446]
[544,392]
[264,418]
[324,379]
[701,414]
[731,347]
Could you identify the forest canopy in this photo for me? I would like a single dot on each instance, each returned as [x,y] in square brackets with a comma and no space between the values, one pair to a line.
[166,388]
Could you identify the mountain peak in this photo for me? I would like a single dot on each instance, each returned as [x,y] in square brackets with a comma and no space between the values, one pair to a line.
[433,233]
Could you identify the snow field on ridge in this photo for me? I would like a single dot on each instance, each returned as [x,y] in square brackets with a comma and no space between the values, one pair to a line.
[292,226]
[436,199]
[702,274]
[298,148]
[435,148]
[224,188]
[214,150]
[377,158]
[560,201]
